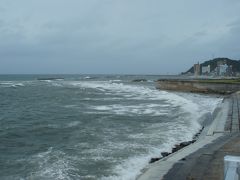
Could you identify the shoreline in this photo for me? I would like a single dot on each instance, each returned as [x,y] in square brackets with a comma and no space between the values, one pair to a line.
[214,128]
[177,147]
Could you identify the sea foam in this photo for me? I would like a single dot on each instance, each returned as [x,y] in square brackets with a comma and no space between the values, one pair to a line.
[11,84]
[193,106]
[164,135]
[51,164]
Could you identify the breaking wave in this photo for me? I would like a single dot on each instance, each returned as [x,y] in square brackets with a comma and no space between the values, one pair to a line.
[11,84]
[52,164]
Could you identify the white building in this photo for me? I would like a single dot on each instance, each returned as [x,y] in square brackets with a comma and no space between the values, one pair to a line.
[222,69]
[206,69]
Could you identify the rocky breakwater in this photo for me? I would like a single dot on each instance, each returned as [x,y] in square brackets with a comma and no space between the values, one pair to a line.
[217,86]
[176,148]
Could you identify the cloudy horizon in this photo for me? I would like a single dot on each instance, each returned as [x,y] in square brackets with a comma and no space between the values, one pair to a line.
[115,37]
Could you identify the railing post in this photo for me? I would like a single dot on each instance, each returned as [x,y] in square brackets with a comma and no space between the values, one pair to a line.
[231,167]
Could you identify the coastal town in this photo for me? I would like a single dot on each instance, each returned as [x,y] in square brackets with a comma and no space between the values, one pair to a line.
[218,67]
[222,69]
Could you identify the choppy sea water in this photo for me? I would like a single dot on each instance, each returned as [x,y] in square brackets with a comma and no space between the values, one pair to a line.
[91,127]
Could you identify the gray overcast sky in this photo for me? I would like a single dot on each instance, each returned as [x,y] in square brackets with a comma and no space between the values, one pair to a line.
[115,36]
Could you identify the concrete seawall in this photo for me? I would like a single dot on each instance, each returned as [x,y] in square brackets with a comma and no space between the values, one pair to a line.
[220,137]
[200,86]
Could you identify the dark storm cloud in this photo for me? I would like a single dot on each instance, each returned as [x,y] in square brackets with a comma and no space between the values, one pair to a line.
[135,36]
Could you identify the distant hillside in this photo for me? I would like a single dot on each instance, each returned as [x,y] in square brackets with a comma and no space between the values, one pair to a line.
[213,64]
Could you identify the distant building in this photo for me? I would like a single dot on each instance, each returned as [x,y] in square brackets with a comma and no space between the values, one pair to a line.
[196,69]
[222,69]
[229,71]
[206,70]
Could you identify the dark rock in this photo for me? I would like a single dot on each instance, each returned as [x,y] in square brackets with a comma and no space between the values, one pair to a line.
[164,154]
[197,134]
[154,160]
[183,144]
[139,80]
[193,141]
[176,148]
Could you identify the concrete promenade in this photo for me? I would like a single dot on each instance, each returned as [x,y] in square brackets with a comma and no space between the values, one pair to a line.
[204,158]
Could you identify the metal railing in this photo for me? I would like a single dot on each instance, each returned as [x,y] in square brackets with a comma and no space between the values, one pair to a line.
[231,167]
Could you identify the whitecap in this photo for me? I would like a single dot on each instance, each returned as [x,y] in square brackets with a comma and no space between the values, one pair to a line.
[130,168]
[140,109]
[46,80]
[70,106]
[18,85]
[73,124]
[87,77]
[11,84]
[51,164]
[195,107]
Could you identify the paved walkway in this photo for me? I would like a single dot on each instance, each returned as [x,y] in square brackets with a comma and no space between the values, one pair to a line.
[232,124]
[207,163]
[203,159]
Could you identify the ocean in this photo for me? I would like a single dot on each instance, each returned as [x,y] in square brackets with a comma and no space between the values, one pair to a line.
[104,127]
